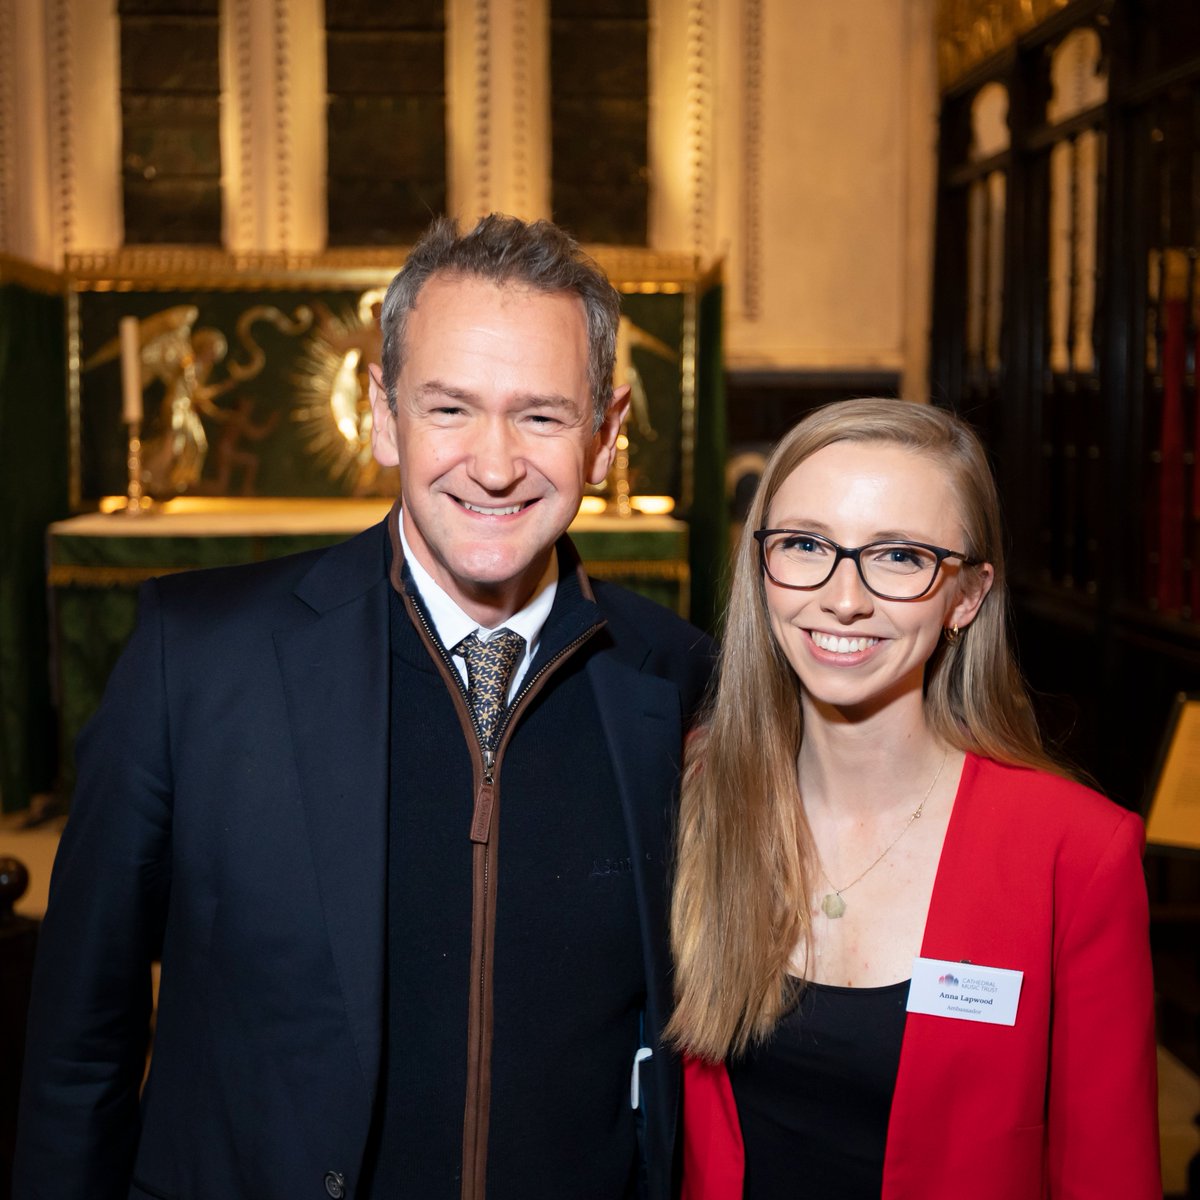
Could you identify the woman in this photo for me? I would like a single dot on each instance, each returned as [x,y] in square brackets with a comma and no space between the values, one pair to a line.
[912,954]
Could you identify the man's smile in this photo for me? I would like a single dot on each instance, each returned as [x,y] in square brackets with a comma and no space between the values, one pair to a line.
[505,510]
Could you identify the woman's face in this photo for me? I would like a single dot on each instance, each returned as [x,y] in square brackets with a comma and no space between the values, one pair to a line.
[851,650]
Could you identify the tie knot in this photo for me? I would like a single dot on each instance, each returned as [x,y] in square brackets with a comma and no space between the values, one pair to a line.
[499,652]
[489,668]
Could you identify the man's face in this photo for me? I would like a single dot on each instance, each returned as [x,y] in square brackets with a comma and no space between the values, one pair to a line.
[492,434]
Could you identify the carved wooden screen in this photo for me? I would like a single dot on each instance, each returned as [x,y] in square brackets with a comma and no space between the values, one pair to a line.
[972,231]
[1166,149]
[1078,365]
[1065,152]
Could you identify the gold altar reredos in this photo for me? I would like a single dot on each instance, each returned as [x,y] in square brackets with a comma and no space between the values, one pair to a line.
[971,31]
[145,270]
[630,268]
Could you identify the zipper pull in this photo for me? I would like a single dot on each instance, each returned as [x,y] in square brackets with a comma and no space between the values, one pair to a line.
[489,763]
[481,822]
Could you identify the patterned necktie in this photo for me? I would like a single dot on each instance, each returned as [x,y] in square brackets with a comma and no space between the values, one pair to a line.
[489,669]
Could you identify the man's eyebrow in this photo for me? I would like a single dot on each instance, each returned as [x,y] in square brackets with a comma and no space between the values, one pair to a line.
[551,400]
[437,389]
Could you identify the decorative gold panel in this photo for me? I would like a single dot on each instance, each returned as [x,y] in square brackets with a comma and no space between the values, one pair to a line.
[971,31]
[266,377]
[630,268]
[37,279]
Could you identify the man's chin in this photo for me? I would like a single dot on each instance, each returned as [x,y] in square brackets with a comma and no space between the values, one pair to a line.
[489,579]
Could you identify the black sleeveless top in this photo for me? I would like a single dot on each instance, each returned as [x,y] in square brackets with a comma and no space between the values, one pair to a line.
[814,1100]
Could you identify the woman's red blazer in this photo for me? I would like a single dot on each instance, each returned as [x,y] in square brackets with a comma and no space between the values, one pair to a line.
[1042,876]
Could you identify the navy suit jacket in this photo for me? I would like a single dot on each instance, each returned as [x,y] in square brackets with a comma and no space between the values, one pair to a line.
[231,819]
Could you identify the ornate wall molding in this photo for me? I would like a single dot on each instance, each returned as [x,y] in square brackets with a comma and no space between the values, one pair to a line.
[62,163]
[8,172]
[700,123]
[920,194]
[28,196]
[519,190]
[148,267]
[240,180]
[752,154]
[283,126]
[971,31]
[28,275]
[273,125]
[513,160]
[481,46]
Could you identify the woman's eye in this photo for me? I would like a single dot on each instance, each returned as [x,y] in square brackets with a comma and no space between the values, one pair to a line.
[902,557]
[800,544]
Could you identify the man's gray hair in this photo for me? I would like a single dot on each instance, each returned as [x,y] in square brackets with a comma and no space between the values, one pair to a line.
[507,250]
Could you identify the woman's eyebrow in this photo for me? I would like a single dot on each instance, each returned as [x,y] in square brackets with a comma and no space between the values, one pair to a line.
[805,525]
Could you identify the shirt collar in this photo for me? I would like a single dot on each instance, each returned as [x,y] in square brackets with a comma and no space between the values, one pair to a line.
[452,624]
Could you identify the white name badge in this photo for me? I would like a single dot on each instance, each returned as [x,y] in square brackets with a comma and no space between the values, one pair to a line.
[964,991]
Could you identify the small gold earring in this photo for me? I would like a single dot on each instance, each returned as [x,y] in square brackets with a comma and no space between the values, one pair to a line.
[951,633]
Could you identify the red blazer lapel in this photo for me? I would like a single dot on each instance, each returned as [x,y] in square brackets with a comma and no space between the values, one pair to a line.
[969,1099]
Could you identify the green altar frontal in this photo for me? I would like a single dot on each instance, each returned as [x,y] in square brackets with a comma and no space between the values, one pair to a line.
[97,562]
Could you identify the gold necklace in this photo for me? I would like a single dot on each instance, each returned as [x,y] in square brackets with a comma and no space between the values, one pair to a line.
[832,904]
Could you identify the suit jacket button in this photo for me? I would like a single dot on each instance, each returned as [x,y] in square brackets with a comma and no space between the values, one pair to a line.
[335,1184]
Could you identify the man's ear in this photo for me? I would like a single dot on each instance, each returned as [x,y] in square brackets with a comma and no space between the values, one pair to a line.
[604,441]
[973,590]
[383,422]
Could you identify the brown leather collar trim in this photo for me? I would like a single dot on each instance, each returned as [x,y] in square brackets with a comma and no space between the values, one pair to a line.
[396,572]
[569,560]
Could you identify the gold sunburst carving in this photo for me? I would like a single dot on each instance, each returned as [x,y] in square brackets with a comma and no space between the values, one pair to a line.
[332,405]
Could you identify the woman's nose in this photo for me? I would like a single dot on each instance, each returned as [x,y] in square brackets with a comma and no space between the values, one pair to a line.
[844,594]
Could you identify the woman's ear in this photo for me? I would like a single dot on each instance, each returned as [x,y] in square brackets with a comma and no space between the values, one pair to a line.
[974,585]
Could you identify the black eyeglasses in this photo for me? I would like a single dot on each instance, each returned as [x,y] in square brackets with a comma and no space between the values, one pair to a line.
[793,558]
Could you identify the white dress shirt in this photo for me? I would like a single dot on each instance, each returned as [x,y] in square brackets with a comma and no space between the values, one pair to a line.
[452,624]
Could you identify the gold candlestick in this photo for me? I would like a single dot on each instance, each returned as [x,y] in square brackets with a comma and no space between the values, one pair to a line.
[619,501]
[136,502]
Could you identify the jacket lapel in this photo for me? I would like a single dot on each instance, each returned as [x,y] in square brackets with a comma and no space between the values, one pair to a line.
[335,670]
[640,714]
[933,1137]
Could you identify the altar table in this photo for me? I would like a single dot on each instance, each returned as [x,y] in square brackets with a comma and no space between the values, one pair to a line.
[97,561]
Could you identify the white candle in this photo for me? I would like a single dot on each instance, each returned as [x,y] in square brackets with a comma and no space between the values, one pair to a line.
[131,371]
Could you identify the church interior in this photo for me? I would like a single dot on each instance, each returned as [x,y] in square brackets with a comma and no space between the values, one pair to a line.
[989,205]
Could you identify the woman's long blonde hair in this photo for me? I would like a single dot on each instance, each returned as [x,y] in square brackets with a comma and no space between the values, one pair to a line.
[744,870]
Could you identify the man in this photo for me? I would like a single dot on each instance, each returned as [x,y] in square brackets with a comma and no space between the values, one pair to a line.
[410,908]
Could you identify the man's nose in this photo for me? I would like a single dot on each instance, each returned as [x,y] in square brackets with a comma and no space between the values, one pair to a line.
[497,462]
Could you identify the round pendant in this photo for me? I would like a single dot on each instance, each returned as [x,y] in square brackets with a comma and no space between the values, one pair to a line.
[832,905]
